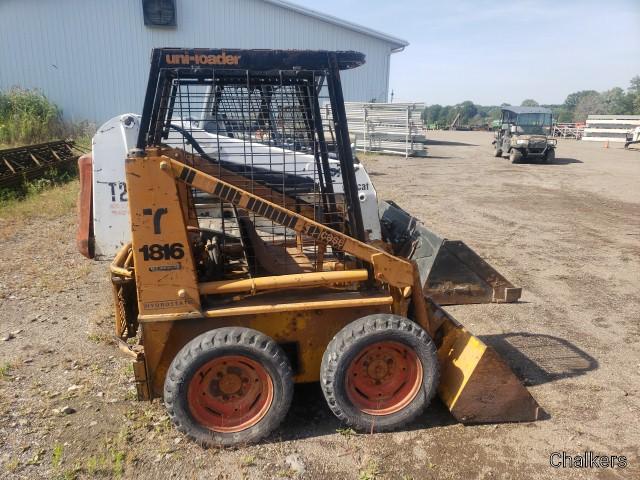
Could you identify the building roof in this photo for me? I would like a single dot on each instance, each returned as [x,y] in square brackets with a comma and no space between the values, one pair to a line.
[398,43]
[519,110]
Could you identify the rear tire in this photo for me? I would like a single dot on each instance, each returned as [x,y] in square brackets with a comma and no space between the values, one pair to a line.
[515,156]
[228,386]
[379,372]
[550,156]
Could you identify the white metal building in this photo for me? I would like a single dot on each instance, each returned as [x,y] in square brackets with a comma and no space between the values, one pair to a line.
[92,57]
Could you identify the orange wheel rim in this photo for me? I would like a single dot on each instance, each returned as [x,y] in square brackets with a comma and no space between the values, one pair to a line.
[230,393]
[384,378]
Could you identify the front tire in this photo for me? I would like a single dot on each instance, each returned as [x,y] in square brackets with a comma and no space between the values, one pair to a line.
[228,386]
[497,152]
[515,156]
[379,372]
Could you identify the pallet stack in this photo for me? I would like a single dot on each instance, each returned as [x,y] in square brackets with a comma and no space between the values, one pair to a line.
[394,128]
[610,128]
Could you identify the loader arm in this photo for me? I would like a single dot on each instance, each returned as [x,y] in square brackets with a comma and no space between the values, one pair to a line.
[387,268]
[240,181]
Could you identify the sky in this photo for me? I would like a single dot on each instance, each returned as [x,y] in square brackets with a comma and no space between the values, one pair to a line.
[491,52]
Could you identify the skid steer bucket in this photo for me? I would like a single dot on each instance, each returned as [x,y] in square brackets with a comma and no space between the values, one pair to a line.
[475,383]
[450,272]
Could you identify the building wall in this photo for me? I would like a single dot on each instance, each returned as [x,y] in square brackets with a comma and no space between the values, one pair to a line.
[92,57]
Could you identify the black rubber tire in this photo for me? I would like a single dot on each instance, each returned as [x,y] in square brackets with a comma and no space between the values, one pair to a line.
[215,343]
[497,152]
[515,156]
[345,347]
[550,156]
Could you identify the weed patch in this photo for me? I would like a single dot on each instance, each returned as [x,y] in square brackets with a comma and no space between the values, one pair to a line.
[56,456]
[370,472]
[49,201]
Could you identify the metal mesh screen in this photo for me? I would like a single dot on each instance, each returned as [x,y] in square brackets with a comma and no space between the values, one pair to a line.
[264,134]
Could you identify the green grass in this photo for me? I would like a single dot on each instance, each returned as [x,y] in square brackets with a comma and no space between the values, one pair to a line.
[112,461]
[99,337]
[370,472]
[286,473]
[45,199]
[346,432]
[70,474]
[27,116]
[83,139]
[12,465]
[118,458]
[107,464]
[4,369]
[56,456]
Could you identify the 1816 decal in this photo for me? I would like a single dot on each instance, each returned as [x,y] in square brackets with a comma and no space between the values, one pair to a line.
[168,251]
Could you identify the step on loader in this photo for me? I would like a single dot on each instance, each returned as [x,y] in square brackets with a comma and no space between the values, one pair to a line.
[258,256]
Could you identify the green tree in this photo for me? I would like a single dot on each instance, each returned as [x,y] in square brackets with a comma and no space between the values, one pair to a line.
[617,102]
[634,93]
[562,115]
[529,102]
[445,114]
[467,110]
[494,113]
[592,104]
[478,119]
[572,99]
[434,113]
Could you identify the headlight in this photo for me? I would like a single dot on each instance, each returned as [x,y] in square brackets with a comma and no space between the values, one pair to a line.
[522,142]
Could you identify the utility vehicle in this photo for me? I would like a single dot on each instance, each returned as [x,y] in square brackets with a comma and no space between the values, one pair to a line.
[525,135]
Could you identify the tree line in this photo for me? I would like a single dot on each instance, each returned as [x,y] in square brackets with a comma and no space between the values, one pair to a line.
[576,107]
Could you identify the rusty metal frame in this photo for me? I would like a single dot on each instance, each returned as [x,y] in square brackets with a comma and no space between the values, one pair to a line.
[32,161]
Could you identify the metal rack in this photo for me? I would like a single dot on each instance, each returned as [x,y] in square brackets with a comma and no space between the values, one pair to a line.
[568,130]
[32,161]
[394,128]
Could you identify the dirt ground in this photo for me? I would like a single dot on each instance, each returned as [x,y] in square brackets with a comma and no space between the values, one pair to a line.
[568,233]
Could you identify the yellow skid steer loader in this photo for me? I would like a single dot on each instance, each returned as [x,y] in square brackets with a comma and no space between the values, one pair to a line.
[251,268]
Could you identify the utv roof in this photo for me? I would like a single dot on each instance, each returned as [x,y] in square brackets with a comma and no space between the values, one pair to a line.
[519,110]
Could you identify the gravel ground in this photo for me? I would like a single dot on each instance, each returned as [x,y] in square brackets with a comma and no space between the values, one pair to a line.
[568,233]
